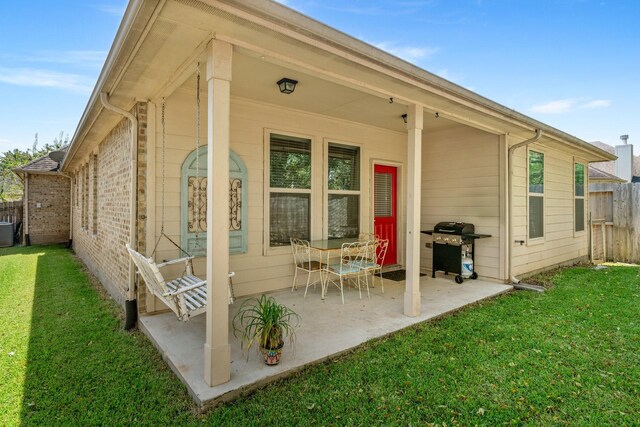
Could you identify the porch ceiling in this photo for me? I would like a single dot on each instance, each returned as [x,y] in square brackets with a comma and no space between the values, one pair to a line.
[338,75]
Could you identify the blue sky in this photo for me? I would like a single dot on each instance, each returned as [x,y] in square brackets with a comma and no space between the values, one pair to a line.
[573,64]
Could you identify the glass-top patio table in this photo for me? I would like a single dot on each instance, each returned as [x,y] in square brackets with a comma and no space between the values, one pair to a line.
[326,246]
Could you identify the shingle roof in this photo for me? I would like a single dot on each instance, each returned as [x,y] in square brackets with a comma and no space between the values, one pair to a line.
[597,174]
[42,164]
[610,166]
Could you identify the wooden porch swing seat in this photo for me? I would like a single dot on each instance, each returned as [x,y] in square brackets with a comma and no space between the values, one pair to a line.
[186,296]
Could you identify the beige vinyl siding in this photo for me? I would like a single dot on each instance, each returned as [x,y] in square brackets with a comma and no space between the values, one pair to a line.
[559,243]
[461,182]
[262,269]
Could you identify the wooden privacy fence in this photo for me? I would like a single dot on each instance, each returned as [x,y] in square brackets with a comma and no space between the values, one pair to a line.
[615,222]
[11,212]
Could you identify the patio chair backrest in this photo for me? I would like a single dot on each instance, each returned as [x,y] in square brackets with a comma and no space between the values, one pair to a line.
[381,250]
[149,272]
[301,252]
[352,254]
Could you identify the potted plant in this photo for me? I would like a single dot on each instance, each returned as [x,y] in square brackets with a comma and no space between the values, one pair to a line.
[265,321]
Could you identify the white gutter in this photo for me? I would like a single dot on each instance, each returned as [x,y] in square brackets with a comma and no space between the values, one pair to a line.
[538,135]
[133,184]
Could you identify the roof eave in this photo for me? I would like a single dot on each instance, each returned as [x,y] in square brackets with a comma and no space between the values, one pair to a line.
[113,58]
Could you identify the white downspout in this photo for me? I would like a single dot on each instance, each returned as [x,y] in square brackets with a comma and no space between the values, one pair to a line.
[538,135]
[133,184]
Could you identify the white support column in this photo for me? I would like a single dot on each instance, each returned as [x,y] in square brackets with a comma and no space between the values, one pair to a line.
[217,350]
[414,178]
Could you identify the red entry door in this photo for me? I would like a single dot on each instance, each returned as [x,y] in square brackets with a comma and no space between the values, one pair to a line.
[385,208]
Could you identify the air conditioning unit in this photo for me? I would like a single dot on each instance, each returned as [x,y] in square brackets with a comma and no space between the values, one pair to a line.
[6,234]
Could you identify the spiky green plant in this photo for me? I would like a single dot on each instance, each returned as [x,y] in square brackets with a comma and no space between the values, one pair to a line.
[265,321]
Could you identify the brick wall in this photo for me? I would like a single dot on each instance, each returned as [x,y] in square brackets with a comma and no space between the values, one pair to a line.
[101,220]
[103,251]
[49,203]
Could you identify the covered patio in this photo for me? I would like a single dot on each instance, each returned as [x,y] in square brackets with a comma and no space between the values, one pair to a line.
[327,329]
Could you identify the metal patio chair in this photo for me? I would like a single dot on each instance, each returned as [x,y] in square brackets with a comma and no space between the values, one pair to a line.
[303,260]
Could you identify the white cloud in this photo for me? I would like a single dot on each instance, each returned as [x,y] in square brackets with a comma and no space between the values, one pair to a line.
[409,53]
[111,9]
[597,103]
[75,57]
[45,78]
[554,107]
[4,141]
[567,105]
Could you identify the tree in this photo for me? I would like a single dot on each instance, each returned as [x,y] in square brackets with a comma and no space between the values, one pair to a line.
[11,187]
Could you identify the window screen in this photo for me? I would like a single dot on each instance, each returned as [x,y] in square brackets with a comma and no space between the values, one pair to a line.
[343,195]
[290,189]
[344,167]
[578,178]
[536,194]
[290,162]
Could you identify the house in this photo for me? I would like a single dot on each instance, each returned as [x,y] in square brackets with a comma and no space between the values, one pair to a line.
[46,200]
[614,204]
[625,169]
[193,86]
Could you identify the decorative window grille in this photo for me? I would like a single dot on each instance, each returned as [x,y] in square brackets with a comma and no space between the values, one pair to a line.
[194,204]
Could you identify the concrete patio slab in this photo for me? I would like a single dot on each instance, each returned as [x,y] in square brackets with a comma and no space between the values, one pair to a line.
[327,329]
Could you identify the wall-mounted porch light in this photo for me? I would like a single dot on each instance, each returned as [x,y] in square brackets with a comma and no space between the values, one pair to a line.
[287,85]
[404,118]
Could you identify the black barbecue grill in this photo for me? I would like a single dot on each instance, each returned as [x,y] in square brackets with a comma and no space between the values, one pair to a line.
[451,241]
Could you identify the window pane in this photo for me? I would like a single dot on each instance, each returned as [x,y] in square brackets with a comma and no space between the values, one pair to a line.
[579,179]
[344,167]
[535,216]
[344,216]
[290,162]
[579,209]
[289,218]
[536,172]
[383,200]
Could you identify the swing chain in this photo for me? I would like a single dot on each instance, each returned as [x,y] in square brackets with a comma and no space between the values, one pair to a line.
[197,204]
[163,170]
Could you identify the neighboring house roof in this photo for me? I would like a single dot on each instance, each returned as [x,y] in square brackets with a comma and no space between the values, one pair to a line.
[610,166]
[597,175]
[41,165]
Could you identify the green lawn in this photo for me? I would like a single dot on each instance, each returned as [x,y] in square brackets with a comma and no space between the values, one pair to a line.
[568,356]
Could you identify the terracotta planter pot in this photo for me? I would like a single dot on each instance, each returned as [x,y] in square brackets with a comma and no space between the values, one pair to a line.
[272,355]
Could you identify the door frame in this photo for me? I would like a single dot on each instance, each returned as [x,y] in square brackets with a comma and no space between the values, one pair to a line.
[400,201]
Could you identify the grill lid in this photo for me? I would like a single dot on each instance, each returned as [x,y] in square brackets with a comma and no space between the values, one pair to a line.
[456,228]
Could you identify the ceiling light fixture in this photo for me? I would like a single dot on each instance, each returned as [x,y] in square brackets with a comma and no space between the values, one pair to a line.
[287,85]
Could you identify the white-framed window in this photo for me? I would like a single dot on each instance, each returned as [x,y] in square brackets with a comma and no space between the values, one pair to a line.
[343,191]
[536,194]
[94,195]
[289,177]
[578,196]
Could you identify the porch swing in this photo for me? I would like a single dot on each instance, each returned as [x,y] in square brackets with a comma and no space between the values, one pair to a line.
[186,295]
